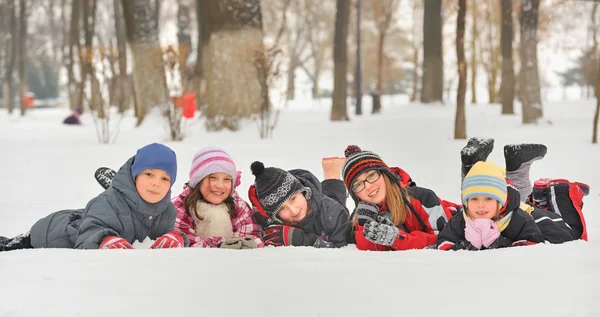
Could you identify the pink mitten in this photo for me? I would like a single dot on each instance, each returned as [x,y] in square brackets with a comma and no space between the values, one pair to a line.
[472,233]
[489,231]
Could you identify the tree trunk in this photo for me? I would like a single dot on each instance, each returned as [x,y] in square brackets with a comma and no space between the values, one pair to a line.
[9,89]
[185,41]
[315,90]
[508,72]
[339,111]
[23,59]
[89,18]
[529,78]
[234,85]
[73,47]
[149,79]
[474,36]
[201,40]
[291,76]
[595,127]
[460,126]
[432,89]
[358,70]
[380,43]
[124,88]
[415,74]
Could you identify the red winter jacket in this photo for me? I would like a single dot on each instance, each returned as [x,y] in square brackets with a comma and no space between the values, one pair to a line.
[421,229]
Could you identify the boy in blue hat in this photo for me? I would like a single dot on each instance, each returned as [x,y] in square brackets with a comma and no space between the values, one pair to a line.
[135,207]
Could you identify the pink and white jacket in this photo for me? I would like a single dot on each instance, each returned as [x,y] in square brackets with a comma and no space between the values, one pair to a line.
[243,224]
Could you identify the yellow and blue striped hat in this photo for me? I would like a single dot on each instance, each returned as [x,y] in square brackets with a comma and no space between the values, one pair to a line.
[485,179]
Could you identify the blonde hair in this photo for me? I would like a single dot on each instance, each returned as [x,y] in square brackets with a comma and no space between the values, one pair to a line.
[394,199]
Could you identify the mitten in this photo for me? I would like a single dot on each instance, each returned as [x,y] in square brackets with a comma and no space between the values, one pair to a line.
[233,243]
[282,235]
[249,243]
[473,233]
[489,231]
[114,242]
[385,218]
[382,234]
[366,212]
[169,240]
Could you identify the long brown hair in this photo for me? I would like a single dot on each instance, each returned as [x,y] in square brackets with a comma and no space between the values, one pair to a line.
[195,195]
[394,200]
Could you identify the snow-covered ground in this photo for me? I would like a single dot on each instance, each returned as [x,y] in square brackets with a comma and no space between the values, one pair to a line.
[46,166]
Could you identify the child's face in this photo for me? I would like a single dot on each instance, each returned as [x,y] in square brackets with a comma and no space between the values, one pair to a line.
[216,187]
[482,207]
[370,187]
[153,185]
[294,209]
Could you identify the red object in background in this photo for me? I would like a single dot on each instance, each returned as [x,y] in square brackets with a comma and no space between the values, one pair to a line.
[28,100]
[189,105]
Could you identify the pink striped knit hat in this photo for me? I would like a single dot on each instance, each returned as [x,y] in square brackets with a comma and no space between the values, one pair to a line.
[211,160]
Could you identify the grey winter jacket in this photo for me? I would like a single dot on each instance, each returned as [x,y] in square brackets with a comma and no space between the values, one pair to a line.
[327,225]
[119,211]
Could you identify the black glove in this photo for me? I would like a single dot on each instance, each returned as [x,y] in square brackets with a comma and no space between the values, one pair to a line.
[464,245]
[366,212]
[260,220]
[282,235]
[501,242]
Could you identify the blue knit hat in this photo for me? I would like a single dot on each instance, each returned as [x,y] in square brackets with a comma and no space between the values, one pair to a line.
[155,156]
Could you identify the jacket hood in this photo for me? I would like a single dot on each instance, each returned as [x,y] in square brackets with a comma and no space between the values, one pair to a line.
[124,184]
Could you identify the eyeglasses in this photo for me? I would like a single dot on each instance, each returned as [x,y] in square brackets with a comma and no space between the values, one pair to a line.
[357,187]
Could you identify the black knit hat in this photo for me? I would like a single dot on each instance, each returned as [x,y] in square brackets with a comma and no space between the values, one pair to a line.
[358,162]
[274,186]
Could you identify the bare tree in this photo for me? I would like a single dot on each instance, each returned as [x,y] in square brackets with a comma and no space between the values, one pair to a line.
[185,41]
[148,70]
[432,88]
[297,45]
[124,91]
[490,48]
[595,127]
[233,85]
[11,53]
[416,41]
[23,56]
[507,87]
[339,111]
[320,33]
[89,18]
[529,77]
[74,48]
[460,125]
[384,17]
[474,39]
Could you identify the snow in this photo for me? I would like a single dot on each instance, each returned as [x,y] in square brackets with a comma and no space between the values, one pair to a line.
[46,166]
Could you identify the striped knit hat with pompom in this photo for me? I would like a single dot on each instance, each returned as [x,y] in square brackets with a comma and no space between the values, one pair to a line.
[358,162]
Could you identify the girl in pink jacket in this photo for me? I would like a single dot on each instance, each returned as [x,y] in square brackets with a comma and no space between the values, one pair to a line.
[209,210]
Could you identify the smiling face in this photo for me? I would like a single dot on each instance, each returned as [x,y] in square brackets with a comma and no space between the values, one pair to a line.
[370,187]
[482,207]
[216,187]
[153,185]
[294,209]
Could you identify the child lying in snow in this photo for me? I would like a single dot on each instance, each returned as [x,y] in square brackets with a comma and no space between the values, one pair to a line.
[135,207]
[493,216]
[295,209]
